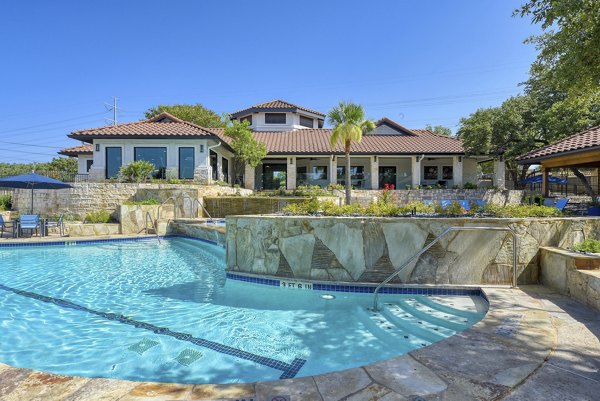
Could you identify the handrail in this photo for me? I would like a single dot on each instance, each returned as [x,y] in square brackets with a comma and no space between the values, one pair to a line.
[174,206]
[149,216]
[436,240]
[185,196]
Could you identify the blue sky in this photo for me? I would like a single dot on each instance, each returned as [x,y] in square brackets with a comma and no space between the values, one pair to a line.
[416,62]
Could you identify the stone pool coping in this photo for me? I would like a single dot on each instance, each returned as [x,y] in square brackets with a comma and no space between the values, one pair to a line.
[532,344]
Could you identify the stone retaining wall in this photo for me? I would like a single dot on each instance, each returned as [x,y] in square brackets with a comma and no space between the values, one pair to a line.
[369,249]
[91,229]
[86,197]
[198,230]
[133,217]
[224,206]
[572,273]
[500,197]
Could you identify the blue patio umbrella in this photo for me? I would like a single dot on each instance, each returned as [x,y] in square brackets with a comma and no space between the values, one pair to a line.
[32,181]
[537,179]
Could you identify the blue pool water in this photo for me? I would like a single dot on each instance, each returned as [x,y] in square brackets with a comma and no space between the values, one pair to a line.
[165,312]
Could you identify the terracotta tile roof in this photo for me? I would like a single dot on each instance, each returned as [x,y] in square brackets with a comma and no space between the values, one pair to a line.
[316,141]
[582,141]
[160,126]
[76,150]
[275,105]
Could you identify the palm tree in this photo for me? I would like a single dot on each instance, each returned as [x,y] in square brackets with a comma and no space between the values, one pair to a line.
[349,125]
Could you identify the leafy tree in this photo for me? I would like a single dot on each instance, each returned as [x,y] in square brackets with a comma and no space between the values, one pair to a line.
[439,130]
[136,171]
[246,148]
[194,113]
[569,47]
[60,168]
[66,164]
[349,125]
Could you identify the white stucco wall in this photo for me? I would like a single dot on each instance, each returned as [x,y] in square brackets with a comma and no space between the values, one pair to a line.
[82,163]
[292,122]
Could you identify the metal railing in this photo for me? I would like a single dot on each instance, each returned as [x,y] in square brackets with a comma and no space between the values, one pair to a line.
[196,200]
[174,206]
[149,217]
[436,240]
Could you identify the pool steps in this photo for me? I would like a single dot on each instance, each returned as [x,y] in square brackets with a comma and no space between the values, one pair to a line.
[419,321]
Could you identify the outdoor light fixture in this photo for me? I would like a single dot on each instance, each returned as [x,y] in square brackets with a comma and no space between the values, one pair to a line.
[201,148]
[97,147]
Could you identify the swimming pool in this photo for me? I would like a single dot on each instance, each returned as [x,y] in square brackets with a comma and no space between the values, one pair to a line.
[166,312]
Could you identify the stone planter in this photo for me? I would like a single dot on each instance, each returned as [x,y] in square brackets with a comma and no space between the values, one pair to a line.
[91,229]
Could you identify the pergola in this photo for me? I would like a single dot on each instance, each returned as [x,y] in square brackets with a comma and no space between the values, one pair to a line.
[581,150]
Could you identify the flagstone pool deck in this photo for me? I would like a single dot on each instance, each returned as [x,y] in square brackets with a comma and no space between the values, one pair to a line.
[534,344]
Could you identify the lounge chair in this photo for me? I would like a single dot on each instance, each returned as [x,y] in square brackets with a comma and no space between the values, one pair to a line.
[549,202]
[480,203]
[58,224]
[464,204]
[30,222]
[428,202]
[561,203]
[445,203]
[6,224]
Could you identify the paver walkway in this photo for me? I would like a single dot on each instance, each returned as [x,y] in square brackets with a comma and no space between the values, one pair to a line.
[534,344]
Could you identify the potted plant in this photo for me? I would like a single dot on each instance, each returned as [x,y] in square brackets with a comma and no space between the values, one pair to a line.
[594,208]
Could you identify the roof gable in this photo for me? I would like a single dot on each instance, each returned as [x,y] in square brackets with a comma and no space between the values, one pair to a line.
[393,128]
[276,105]
[579,142]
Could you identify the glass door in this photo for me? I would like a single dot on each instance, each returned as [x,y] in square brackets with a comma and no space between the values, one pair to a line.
[387,175]
[274,176]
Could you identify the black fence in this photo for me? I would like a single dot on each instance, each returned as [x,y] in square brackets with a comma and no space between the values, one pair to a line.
[64,176]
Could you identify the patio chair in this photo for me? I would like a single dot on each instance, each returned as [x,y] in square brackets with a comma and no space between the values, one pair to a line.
[58,224]
[464,204]
[30,222]
[561,203]
[445,203]
[549,202]
[4,225]
[480,203]
[427,202]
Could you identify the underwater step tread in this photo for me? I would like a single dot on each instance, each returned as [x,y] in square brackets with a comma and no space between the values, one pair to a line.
[415,324]
[392,332]
[408,326]
[435,316]
[436,303]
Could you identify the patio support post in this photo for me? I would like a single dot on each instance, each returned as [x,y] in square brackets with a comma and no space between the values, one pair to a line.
[499,174]
[333,170]
[545,172]
[220,175]
[457,171]
[416,171]
[374,172]
[249,177]
[291,173]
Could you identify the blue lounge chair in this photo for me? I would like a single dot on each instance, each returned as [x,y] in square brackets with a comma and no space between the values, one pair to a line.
[549,202]
[445,203]
[4,225]
[481,203]
[428,202]
[464,204]
[30,222]
[561,203]
[58,224]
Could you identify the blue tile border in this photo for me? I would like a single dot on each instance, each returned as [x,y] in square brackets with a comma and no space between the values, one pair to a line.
[289,370]
[102,241]
[365,288]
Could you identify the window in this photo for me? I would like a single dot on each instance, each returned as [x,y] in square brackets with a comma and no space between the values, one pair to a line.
[156,156]
[88,165]
[274,176]
[213,166]
[357,176]
[447,173]
[306,122]
[225,167]
[114,160]
[275,118]
[319,172]
[247,118]
[320,123]
[431,172]
[186,163]
[387,176]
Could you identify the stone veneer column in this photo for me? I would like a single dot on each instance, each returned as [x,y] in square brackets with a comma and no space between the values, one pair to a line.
[220,167]
[291,173]
[374,172]
[457,170]
[96,174]
[499,174]
[249,176]
[333,170]
[416,171]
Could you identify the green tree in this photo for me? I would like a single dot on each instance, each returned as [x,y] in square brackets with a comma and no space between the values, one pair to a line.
[439,130]
[194,113]
[569,47]
[247,150]
[63,164]
[349,125]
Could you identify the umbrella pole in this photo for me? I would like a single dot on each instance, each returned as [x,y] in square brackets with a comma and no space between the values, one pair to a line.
[31,212]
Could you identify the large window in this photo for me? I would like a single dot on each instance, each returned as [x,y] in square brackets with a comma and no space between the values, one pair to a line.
[88,165]
[156,156]
[225,166]
[186,163]
[306,122]
[114,160]
[213,165]
[247,118]
[357,176]
[275,118]
[274,176]
[387,175]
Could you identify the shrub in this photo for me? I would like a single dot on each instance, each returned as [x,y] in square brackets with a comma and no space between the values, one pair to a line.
[454,209]
[5,202]
[589,245]
[150,201]
[469,185]
[137,171]
[521,211]
[387,195]
[315,190]
[101,216]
